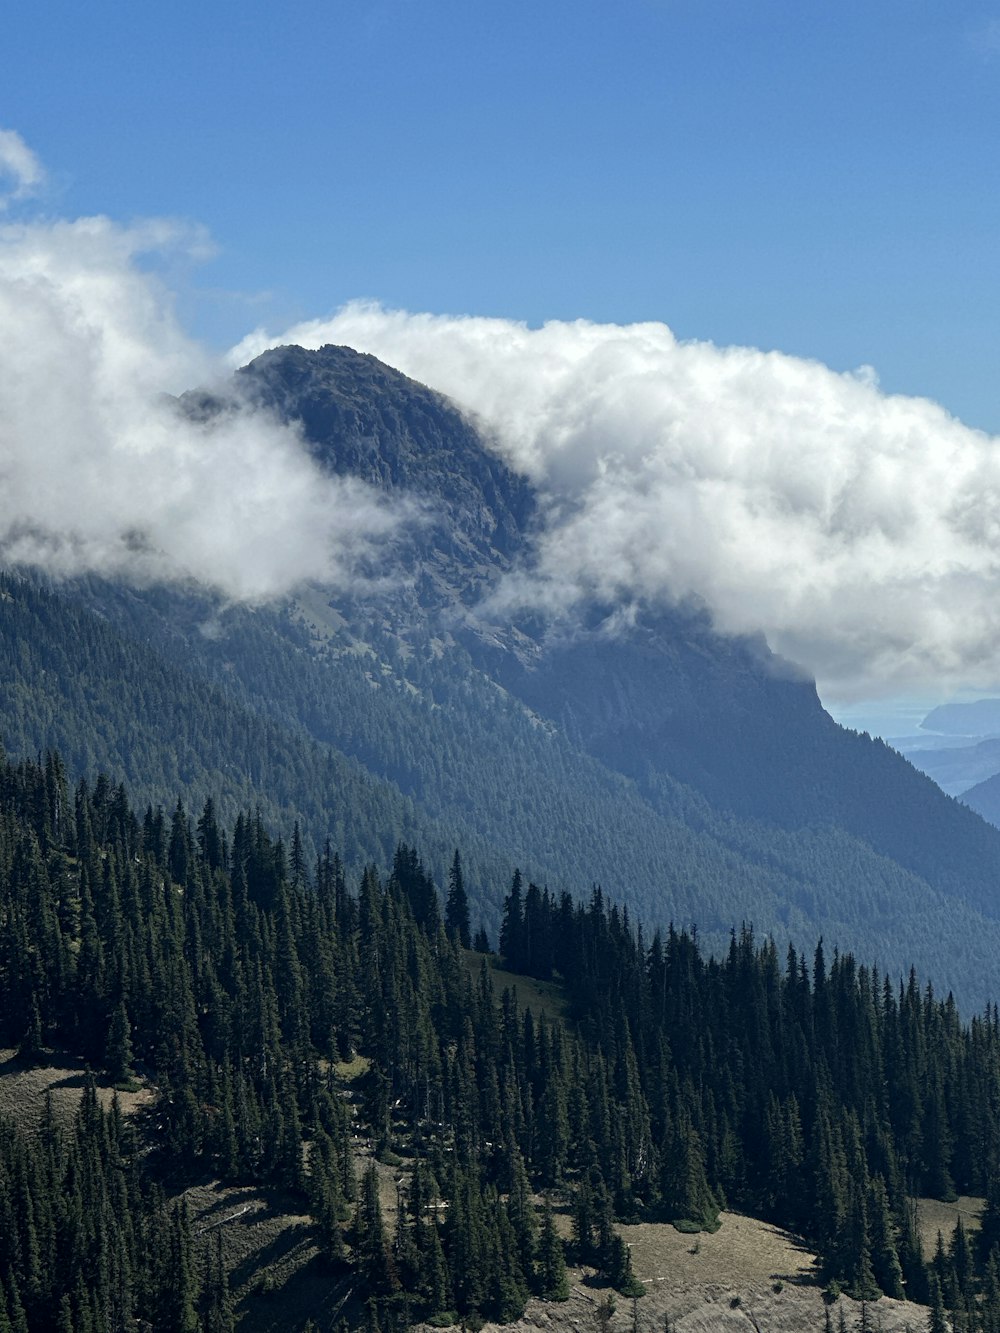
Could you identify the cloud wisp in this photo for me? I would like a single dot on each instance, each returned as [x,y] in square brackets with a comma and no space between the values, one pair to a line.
[100,472]
[860,531]
[21,173]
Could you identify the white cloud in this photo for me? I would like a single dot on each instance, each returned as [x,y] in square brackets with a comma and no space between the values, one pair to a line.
[99,473]
[860,531]
[21,173]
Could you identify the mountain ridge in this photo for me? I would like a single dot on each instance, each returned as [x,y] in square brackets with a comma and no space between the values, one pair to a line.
[695,776]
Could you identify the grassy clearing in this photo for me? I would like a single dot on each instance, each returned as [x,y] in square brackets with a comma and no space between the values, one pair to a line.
[23,1089]
[541,997]
[747,1277]
[934,1216]
[348,1071]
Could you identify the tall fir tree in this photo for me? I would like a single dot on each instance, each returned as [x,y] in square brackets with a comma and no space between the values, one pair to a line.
[456,916]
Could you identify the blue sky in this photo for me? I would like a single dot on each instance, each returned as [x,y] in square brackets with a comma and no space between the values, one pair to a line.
[816,178]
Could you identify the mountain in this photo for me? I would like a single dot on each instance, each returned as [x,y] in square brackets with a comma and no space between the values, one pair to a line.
[360,418]
[956,768]
[979,717]
[694,776]
[958,744]
[984,798]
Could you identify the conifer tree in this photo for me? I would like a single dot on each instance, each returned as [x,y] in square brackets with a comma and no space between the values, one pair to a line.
[512,927]
[65,1324]
[936,1321]
[988,1237]
[434,1273]
[508,1287]
[521,1213]
[687,1198]
[481,943]
[326,1195]
[855,1250]
[374,1260]
[886,1268]
[118,1052]
[216,1307]
[469,1259]
[456,918]
[298,873]
[551,1281]
[175,1309]
[583,1220]
[32,1044]
[209,837]
[179,849]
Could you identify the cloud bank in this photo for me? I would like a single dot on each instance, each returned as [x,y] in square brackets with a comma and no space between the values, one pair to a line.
[860,531]
[99,472]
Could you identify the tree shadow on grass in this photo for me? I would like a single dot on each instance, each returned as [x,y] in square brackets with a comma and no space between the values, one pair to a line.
[315,1290]
[276,1252]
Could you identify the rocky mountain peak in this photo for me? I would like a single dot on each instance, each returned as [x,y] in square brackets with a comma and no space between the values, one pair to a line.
[361,418]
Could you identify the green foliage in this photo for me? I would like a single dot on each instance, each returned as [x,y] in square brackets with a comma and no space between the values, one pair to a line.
[552,1282]
[673,1079]
[456,917]
[686,1197]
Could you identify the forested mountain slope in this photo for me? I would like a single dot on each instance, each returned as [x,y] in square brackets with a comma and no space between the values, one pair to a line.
[109,702]
[280,1017]
[369,754]
[727,718]
[695,777]
[667,696]
[984,798]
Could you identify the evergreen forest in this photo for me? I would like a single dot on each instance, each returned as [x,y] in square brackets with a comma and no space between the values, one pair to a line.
[234,974]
